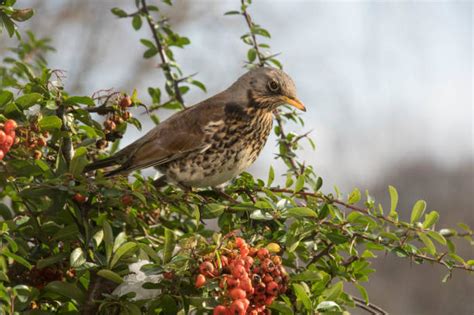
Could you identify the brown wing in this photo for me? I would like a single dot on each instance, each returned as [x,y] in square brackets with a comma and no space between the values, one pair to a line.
[176,136]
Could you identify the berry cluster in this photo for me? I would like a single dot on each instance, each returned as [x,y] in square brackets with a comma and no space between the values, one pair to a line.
[249,279]
[7,136]
[115,119]
[33,139]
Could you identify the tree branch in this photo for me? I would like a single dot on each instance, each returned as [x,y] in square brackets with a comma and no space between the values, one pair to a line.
[161,51]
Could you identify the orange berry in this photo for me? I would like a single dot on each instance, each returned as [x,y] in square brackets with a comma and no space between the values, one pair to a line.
[220,310]
[267,278]
[237,308]
[126,101]
[2,154]
[239,242]
[239,272]
[3,137]
[8,142]
[272,288]
[37,155]
[79,198]
[10,125]
[206,268]
[200,280]
[269,300]
[262,253]
[237,294]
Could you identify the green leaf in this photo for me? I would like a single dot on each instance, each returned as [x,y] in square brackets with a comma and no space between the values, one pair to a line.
[363,293]
[9,25]
[428,243]
[417,211]
[328,306]
[5,97]
[86,100]
[119,12]
[110,275]
[271,176]
[232,13]
[354,197]
[50,123]
[18,259]
[169,245]
[299,183]
[437,237]
[78,162]
[199,85]
[430,219]
[251,55]
[302,212]
[137,22]
[334,291]
[66,289]
[45,262]
[281,308]
[150,53]
[149,44]
[108,239]
[122,250]
[28,100]
[393,201]
[77,258]
[302,296]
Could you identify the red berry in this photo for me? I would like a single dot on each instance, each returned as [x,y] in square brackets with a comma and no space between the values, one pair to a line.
[268,265]
[246,285]
[248,262]
[169,275]
[127,200]
[79,198]
[126,101]
[244,251]
[269,300]
[2,154]
[267,278]
[239,271]
[232,283]
[220,310]
[200,280]
[224,261]
[237,294]
[10,125]
[239,242]
[237,308]
[262,253]
[206,268]
[8,142]
[3,137]
[272,288]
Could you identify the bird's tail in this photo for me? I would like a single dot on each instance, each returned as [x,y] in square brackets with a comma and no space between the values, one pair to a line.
[110,161]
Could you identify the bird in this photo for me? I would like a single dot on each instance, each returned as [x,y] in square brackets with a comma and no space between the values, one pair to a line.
[212,142]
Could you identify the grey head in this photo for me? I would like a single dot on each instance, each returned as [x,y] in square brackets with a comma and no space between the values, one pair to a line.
[268,88]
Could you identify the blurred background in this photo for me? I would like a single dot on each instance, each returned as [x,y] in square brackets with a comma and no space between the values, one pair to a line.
[388,86]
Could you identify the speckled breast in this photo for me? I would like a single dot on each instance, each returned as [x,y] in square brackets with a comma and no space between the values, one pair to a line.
[233,146]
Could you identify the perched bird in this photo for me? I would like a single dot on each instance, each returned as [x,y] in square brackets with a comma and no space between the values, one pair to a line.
[213,141]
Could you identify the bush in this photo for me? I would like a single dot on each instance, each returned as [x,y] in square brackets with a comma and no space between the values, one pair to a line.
[69,241]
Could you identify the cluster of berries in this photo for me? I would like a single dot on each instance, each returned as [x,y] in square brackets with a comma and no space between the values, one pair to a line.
[249,279]
[115,119]
[39,277]
[7,136]
[33,139]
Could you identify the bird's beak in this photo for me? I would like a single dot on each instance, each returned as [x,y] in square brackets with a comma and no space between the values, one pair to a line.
[294,102]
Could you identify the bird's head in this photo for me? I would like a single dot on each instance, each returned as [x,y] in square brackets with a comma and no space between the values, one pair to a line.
[269,88]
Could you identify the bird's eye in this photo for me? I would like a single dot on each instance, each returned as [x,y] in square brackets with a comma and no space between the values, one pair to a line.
[273,86]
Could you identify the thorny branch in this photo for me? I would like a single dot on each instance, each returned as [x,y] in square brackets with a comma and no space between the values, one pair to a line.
[161,51]
[439,259]
[289,156]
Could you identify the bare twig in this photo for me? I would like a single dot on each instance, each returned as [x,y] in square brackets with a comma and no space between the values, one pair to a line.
[369,307]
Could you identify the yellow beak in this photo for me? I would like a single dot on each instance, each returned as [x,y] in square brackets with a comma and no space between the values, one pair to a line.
[294,102]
